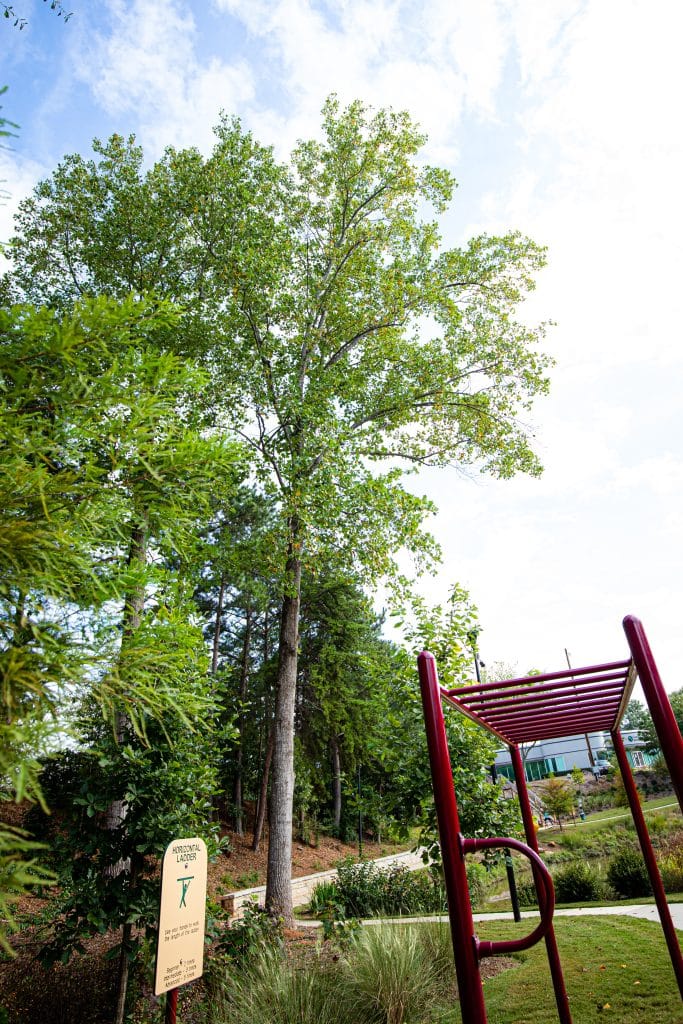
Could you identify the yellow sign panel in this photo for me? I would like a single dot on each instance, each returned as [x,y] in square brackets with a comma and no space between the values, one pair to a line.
[180,946]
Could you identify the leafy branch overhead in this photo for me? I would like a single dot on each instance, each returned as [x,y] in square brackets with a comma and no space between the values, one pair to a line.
[20,22]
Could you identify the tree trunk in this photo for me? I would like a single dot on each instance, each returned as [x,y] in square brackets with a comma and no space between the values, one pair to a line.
[336,785]
[124,958]
[265,775]
[244,680]
[263,794]
[133,610]
[217,628]
[215,800]
[279,880]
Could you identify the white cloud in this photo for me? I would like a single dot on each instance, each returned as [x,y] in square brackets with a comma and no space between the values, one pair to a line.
[601,99]
[147,64]
[572,109]
[18,175]
[430,59]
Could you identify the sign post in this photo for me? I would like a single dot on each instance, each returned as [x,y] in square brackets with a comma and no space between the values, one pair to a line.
[182,913]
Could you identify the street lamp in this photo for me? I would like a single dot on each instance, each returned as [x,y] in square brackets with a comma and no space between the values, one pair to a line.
[509,869]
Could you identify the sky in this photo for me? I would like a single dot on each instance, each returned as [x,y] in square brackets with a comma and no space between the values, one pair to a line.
[561,119]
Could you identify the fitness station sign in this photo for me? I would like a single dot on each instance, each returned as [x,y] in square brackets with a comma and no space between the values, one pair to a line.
[182,913]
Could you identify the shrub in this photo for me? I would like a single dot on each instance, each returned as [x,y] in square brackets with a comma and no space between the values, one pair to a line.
[627,873]
[324,896]
[526,892]
[577,882]
[272,990]
[477,879]
[389,976]
[248,937]
[670,860]
[359,887]
[363,890]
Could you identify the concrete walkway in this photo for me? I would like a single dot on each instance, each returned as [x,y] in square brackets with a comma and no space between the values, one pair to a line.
[644,911]
[302,889]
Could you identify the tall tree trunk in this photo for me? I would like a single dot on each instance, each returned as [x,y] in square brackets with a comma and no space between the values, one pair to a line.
[336,785]
[244,680]
[115,814]
[279,880]
[265,775]
[133,610]
[124,957]
[215,813]
[263,794]
[217,627]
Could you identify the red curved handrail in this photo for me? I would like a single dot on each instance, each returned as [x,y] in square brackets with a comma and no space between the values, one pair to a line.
[546,897]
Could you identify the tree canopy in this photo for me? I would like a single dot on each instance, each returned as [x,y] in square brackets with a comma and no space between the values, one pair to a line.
[325,329]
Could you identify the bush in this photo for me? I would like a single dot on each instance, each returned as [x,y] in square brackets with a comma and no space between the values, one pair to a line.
[389,976]
[324,896]
[363,890]
[670,860]
[247,938]
[628,875]
[477,881]
[526,892]
[576,883]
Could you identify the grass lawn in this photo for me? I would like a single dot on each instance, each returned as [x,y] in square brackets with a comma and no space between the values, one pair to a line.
[597,818]
[616,969]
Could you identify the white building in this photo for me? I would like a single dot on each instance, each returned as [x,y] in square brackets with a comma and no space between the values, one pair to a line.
[560,756]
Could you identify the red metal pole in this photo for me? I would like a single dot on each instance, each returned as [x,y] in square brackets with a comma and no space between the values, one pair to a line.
[561,999]
[663,719]
[171,1006]
[470,989]
[650,859]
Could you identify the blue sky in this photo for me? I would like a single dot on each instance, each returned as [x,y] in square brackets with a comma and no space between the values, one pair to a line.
[561,119]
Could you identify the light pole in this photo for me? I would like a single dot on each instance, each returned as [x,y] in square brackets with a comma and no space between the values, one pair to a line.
[509,869]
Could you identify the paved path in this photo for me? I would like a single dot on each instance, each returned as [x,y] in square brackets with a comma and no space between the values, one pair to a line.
[644,911]
[412,859]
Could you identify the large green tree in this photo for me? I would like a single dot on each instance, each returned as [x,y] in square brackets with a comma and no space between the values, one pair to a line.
[94,419]
[346,344]
[364,348]
[106,482]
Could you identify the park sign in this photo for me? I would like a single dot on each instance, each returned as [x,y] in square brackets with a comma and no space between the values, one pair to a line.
[180,945]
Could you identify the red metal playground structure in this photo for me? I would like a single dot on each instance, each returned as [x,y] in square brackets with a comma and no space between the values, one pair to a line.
[519,711]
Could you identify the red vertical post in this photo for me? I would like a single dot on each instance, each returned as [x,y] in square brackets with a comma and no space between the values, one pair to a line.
[650,859]
[561,999]
[663,719]
[470,988]
[171,1006]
